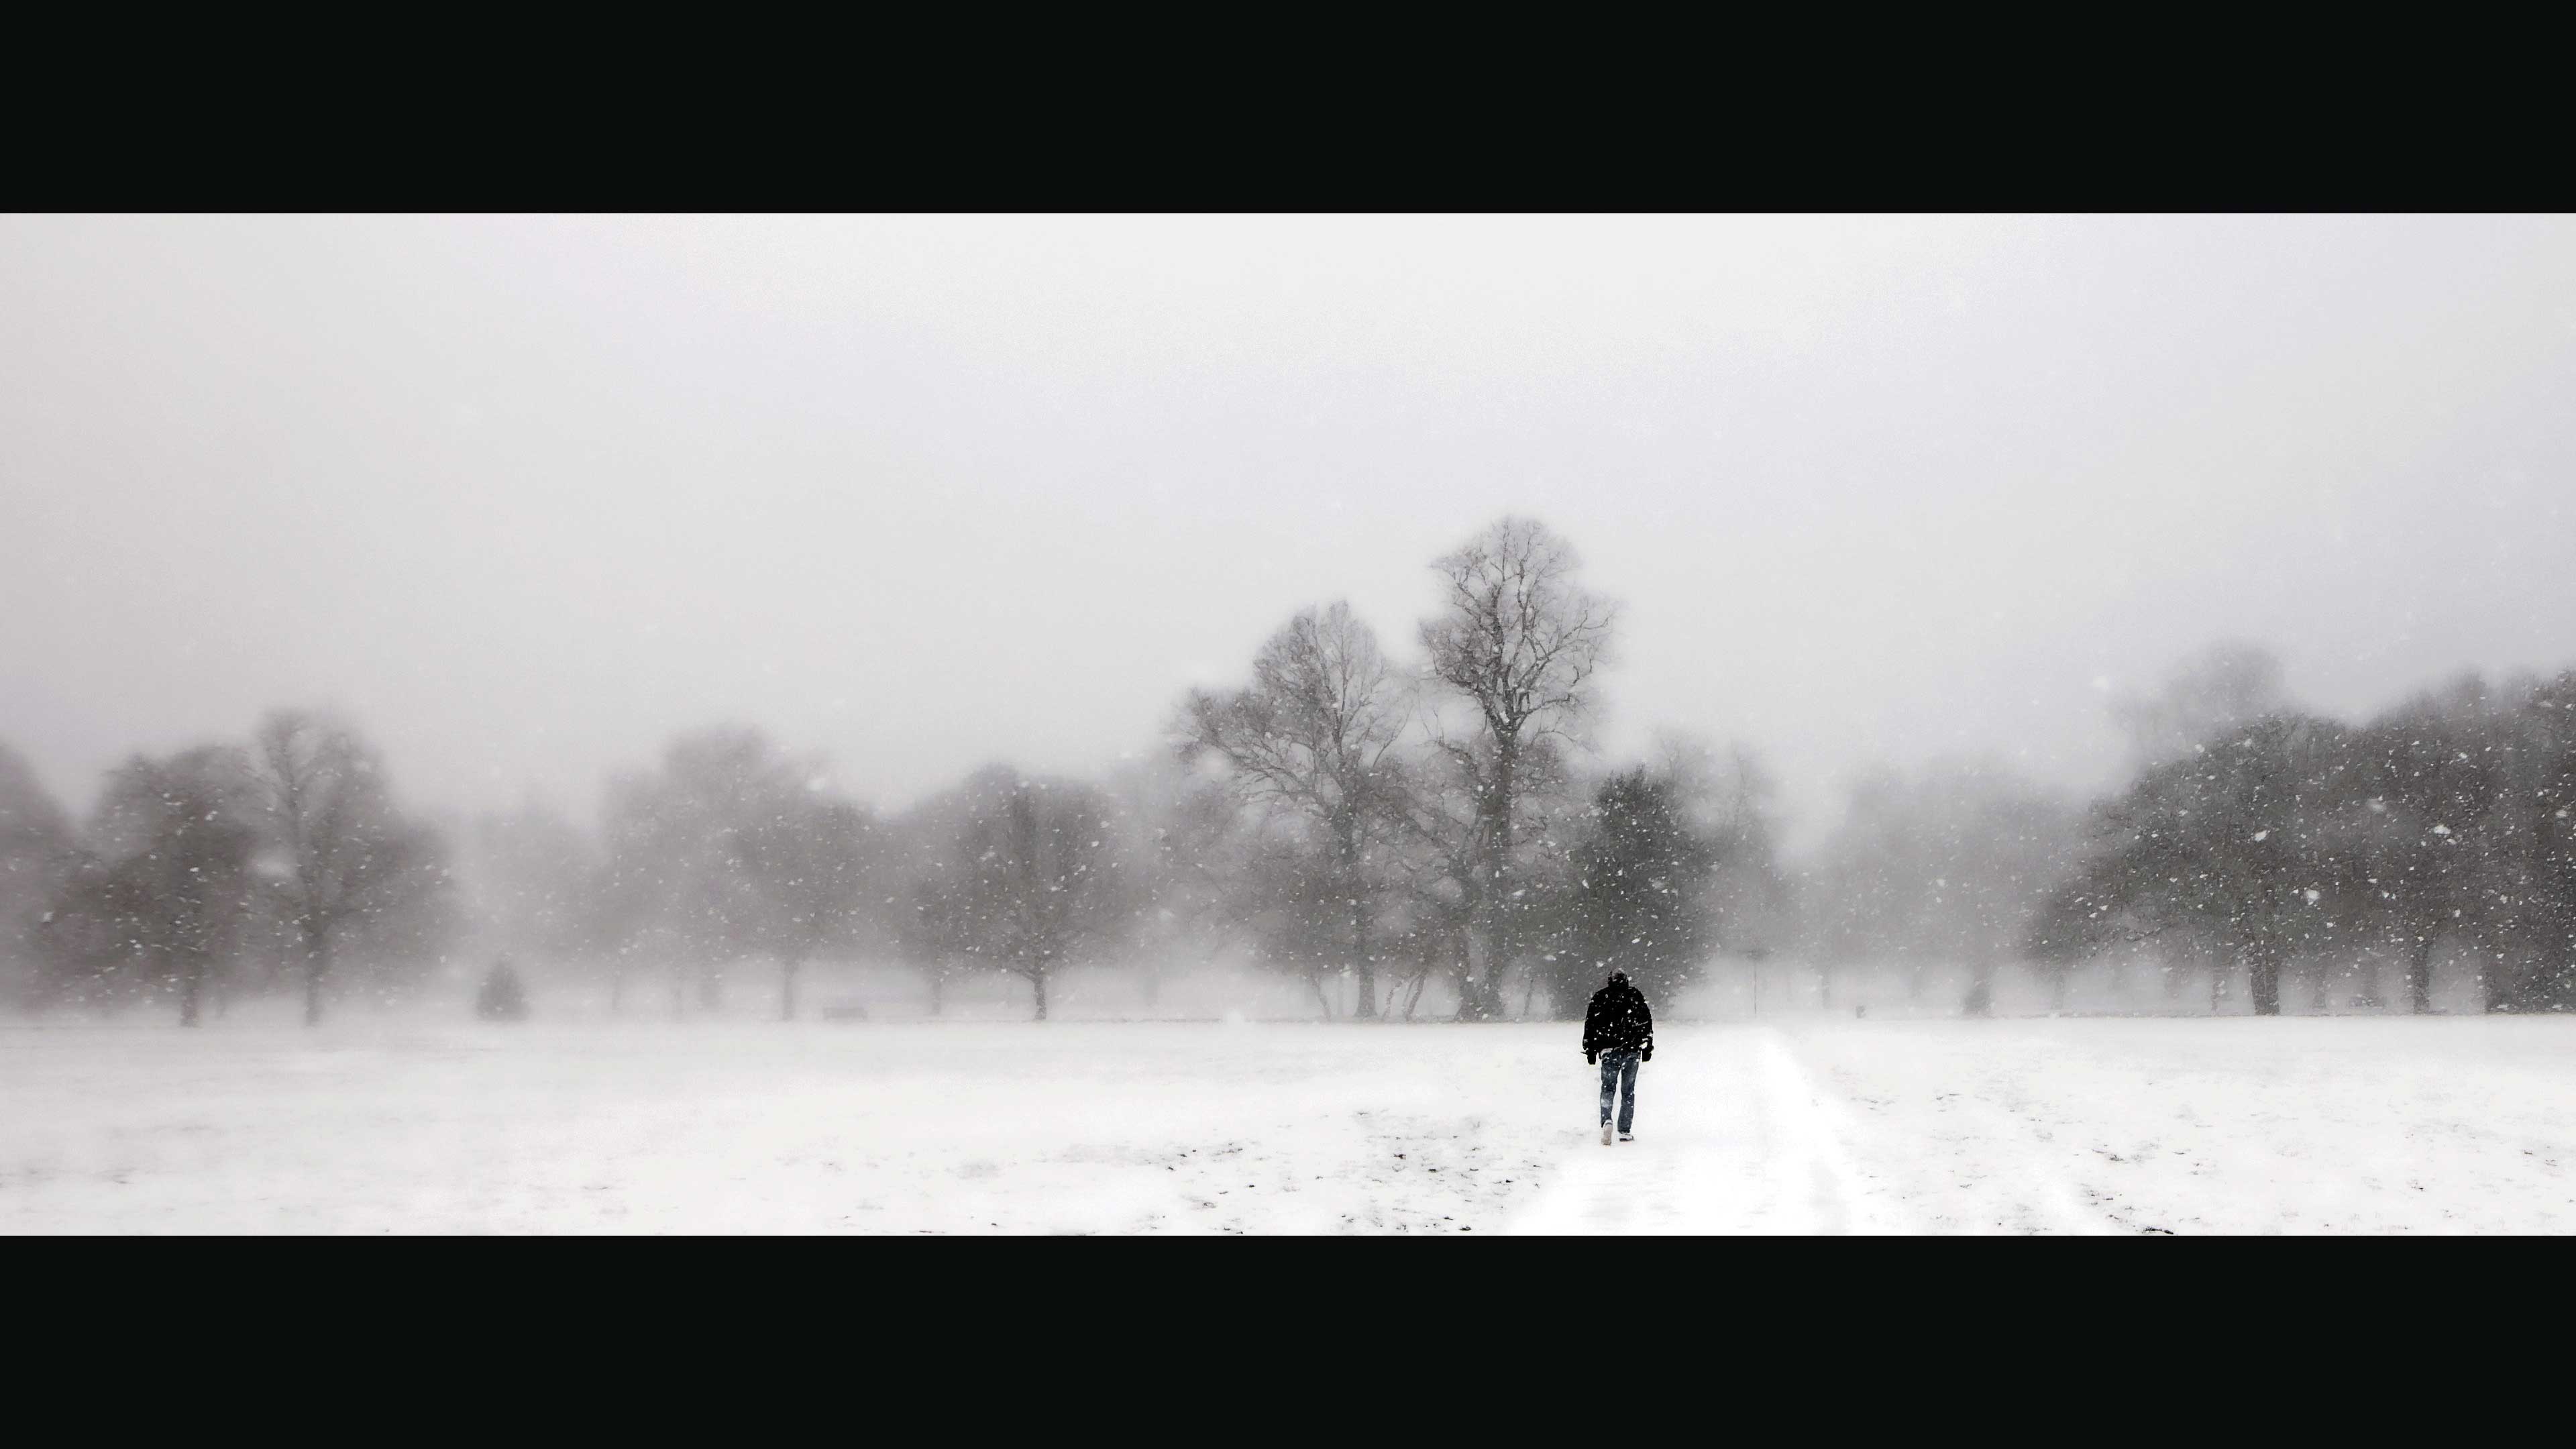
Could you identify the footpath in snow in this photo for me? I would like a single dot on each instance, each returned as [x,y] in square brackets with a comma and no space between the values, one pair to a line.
[2078,1126]
[1733,1136]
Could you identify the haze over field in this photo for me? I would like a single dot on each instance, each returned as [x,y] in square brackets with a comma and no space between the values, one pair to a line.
[1274,725]
[528,497]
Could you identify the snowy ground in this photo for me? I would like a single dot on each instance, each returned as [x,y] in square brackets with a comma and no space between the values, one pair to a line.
[1807,1125]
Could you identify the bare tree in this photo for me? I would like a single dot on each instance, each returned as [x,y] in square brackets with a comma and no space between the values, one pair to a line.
[1041,881]
[809,856]
[729,850]
[1518,644]
[1312,740]
[930,893]
[168,889]
[343,851]
[1189,827]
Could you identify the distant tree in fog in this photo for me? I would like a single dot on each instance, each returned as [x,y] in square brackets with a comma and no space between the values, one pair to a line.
[1642,902]
[1188,831]
[1730,799]
[928,887]
[1946,868]
[162,900]
[1516,644]
[732,849]
[2225,685]
[37,850]
[2247,843]
[345,857]
[2431,857]
[1039,882]
[930,930]
[533,874]
[811,858]
[2289,839]
[1310,744]
[2530,962]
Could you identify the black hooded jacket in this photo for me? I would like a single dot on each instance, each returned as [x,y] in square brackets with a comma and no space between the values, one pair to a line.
[1618,1021]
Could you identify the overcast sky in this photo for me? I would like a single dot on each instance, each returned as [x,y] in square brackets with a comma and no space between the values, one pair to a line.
[527,496]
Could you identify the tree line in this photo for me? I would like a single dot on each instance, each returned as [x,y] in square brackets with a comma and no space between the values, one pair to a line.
[1372,827]
[2274,839]
[222,868]
[1385,830]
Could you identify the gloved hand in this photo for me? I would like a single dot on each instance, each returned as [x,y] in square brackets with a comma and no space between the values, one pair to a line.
[1592,1059]
[1647,1055]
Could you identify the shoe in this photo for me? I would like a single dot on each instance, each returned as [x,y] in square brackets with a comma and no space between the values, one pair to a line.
[1605,1134]
[1627,1136]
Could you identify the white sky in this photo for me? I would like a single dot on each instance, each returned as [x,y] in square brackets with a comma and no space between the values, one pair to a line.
[527,496]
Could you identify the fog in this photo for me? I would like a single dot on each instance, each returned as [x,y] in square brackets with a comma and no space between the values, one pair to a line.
[1258,724]
[526,497]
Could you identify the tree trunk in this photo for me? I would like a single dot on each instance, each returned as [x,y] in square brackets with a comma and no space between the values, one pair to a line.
[1346,833]
[2496,983]
[1037,981]
[317,964]
[1478,998]
[1480,987]
[787,988]
[191,991]
[2263,970]
[2419,976]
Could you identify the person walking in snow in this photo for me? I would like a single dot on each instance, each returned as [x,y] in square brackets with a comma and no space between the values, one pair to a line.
[1618,1033]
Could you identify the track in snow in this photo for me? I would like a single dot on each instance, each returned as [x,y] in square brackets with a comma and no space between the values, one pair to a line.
[1738,1137]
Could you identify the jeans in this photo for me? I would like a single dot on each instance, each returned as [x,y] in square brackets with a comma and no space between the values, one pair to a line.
[1619,1080]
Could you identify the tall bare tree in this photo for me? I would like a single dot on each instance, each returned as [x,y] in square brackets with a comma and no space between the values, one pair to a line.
[1312,742]
[344,853]
[1517,643]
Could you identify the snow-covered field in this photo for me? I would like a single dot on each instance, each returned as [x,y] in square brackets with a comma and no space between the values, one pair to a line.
[2378,1125]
